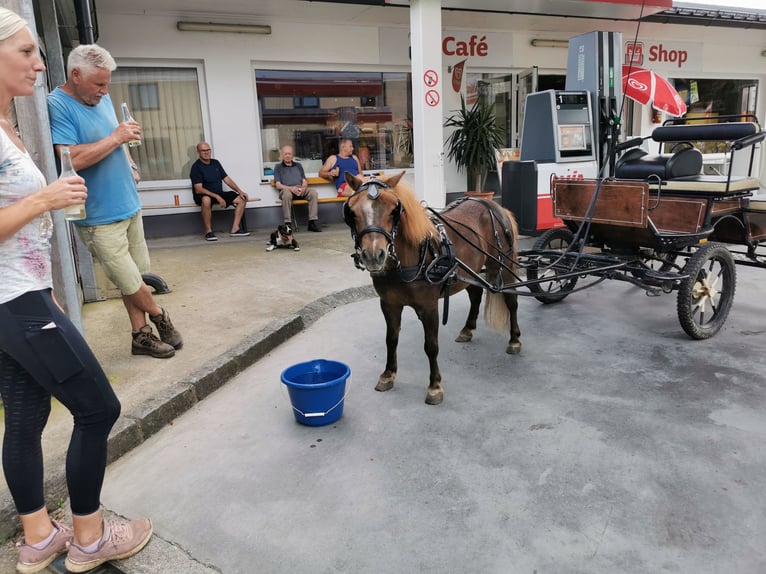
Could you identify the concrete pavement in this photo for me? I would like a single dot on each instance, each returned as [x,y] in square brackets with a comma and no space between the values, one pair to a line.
[232,301]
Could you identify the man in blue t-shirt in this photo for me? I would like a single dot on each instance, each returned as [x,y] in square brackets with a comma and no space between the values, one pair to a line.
[82,117]
[208,176]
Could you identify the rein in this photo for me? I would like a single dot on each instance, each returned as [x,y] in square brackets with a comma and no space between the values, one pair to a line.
[498,257]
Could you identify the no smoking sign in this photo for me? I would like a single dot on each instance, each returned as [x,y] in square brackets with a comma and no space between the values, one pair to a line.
[432,98]
[430,78]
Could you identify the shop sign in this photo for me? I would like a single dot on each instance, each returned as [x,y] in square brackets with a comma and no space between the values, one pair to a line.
[664,55]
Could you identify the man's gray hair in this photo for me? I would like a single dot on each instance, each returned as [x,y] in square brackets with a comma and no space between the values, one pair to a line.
[89,58]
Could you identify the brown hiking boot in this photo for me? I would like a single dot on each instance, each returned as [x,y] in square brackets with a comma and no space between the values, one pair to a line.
[167,332]
[145,342]
[119,540]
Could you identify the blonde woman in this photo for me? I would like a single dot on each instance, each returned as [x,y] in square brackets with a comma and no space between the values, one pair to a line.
[42,355]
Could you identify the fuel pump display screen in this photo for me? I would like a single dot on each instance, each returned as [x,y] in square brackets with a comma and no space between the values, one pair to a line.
[572,137]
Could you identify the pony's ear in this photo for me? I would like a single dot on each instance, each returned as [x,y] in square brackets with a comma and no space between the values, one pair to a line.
[393,181]
[354,181]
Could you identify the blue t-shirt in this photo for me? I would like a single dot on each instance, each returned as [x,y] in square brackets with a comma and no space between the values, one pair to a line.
[209,175]
[112,193]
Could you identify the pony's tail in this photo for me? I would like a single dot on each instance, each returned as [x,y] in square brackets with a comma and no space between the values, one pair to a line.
[496,314]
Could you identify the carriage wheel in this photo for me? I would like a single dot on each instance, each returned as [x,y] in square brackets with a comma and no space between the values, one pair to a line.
[705,298]
[555,290]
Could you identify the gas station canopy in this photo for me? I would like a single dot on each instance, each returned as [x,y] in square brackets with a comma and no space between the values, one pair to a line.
[608,9]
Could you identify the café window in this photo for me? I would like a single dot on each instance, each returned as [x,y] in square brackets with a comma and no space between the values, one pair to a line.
[166,102]
[313,111]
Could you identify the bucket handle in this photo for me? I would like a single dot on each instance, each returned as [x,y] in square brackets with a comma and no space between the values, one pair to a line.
[328,411]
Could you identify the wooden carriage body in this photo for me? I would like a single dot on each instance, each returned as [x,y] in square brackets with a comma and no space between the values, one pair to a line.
[672,213]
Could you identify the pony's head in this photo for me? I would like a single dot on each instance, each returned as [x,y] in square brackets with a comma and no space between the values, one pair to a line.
[381,211]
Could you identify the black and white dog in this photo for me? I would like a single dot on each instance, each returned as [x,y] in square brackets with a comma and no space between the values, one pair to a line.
[283,237]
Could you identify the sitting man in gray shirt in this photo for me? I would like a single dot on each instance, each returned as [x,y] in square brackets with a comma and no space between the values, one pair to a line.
[290,181]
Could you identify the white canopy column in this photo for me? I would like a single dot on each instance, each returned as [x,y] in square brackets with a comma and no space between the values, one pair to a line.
[427,91]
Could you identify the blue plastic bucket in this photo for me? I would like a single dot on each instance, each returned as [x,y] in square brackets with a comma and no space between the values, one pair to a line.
[317,390]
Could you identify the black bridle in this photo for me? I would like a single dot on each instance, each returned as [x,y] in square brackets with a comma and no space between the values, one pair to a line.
[373,188]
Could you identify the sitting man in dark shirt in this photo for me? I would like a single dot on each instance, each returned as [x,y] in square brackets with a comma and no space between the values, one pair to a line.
[207,177]
[290,181]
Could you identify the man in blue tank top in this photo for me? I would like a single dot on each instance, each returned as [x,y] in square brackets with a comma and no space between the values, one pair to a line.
[336,166]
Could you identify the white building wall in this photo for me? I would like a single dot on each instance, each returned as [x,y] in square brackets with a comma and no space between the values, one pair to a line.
[229,60]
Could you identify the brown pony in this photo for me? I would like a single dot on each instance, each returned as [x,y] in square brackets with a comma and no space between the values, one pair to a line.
[414,262]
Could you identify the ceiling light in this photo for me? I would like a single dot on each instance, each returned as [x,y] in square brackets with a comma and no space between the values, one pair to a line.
[221,27]
[539,43]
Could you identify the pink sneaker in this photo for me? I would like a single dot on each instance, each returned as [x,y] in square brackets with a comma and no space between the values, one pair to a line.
[32,560]
[119,540]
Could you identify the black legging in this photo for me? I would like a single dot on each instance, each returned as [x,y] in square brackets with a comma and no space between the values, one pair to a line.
[42,354]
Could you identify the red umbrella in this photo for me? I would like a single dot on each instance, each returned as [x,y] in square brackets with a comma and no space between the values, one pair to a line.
[647,87]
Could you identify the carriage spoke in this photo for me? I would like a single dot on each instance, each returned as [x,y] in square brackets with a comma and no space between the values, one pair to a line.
[705,299]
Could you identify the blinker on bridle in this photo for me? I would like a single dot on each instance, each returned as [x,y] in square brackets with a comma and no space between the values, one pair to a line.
[372,187]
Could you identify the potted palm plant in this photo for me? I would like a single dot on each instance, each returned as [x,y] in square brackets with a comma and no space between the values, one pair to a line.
[474,141]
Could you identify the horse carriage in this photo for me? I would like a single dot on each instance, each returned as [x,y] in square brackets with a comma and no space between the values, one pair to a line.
[658,224]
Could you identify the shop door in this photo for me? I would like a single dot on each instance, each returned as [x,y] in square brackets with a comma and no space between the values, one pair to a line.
[526,83]
[498,91]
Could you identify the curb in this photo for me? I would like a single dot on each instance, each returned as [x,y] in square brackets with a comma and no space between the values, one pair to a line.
[133,428]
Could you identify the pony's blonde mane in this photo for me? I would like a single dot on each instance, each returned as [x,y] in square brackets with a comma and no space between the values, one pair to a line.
[416,225]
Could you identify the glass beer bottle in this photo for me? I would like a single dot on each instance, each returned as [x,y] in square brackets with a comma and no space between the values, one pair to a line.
[126,117]
[73,212]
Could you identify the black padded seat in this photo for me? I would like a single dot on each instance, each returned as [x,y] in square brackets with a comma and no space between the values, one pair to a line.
[637,164]
[708,132]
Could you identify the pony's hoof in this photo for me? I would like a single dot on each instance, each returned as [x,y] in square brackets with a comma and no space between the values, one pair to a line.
[384,386]
[434,397]
[513,348]
[464,337]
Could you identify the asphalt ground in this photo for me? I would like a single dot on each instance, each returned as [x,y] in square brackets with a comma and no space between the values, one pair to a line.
[612,443]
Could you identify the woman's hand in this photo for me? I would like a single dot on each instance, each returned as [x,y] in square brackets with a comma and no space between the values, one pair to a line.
[64,192]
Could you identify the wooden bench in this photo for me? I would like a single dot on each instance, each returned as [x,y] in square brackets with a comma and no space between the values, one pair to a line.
[312,181]
[178,205]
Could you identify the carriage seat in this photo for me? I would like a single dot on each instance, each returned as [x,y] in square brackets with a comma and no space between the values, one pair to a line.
[638,164]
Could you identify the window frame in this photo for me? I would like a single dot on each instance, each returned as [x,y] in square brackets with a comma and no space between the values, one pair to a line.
[198,65]
[257,65]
